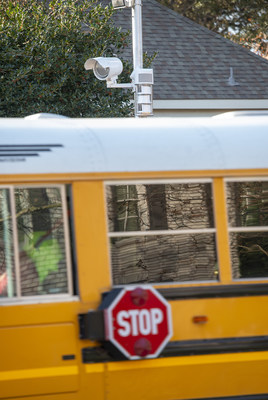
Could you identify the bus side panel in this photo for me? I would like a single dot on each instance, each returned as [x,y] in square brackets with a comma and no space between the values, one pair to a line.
[33,360]
[189,377]
[91,241]
[39,352]
[234,317]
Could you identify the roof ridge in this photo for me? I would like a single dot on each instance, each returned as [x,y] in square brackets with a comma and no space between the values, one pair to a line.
[215,34]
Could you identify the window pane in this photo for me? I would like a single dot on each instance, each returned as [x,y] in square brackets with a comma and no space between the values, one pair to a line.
[41,241]
[247,203]
[159,207]
[249,251]
[7,268]
[248,207]
[151,259]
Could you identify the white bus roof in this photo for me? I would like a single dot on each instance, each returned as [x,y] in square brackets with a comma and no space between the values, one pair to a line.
[65,145]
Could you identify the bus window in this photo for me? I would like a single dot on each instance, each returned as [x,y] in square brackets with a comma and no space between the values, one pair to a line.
[7,265]
[161,232]
[33,240]
[247,203]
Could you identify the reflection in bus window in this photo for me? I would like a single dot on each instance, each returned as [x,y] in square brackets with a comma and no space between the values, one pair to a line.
[125,208]
[38,238]
[247,204]
[167,233]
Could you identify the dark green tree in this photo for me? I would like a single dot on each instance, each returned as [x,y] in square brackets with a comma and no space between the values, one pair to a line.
[43,48]
[243,21]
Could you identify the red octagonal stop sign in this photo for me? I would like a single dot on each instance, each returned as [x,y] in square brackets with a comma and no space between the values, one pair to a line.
[138,322]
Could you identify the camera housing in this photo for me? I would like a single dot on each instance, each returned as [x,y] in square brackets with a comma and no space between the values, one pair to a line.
[105,68]
[122,3]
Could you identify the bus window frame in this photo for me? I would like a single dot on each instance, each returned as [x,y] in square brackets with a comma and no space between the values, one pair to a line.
[244,229]
[18,298]
[165,232]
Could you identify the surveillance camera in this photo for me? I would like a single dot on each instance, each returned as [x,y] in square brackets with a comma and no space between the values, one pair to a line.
[105,68]
[122,3]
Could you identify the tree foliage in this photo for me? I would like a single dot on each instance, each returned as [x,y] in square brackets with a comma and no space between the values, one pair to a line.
[243,21]
[43,48]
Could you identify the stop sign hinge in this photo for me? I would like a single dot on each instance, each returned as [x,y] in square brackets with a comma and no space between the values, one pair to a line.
[91,325]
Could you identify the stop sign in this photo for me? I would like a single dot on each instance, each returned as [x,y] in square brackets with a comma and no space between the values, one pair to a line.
[138,322]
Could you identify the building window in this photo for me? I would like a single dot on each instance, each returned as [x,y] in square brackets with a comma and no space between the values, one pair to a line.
[34,242]
[172,238]
[247,202]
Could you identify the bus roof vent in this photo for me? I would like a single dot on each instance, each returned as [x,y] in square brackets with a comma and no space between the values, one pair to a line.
[44,115]
[248,113]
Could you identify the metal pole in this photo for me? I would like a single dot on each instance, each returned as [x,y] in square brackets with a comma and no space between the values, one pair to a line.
[143,79]
[137,35]
[137,46]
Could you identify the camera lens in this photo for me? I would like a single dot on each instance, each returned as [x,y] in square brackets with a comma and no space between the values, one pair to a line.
[100,72]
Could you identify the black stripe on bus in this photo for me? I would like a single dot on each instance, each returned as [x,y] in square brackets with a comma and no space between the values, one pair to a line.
[263,396]
[215,346]
[7,155]
[22,146]
[12,152]
[24,149]
[203,292]
[187,348]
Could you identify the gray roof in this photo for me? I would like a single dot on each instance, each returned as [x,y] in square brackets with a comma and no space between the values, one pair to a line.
[193,62]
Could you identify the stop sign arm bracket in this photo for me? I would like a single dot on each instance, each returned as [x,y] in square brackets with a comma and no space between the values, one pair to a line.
[91,325]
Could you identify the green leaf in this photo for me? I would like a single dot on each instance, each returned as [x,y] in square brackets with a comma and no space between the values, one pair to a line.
[45,253]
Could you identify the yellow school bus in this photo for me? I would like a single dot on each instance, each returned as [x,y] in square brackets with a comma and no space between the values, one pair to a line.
[89,207]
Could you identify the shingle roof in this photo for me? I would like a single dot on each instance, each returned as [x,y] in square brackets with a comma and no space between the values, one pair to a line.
[193,62]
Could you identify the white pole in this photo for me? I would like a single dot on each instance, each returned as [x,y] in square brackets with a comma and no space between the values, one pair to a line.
[142,78]
[137,35]
[137,46]
[143,91]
